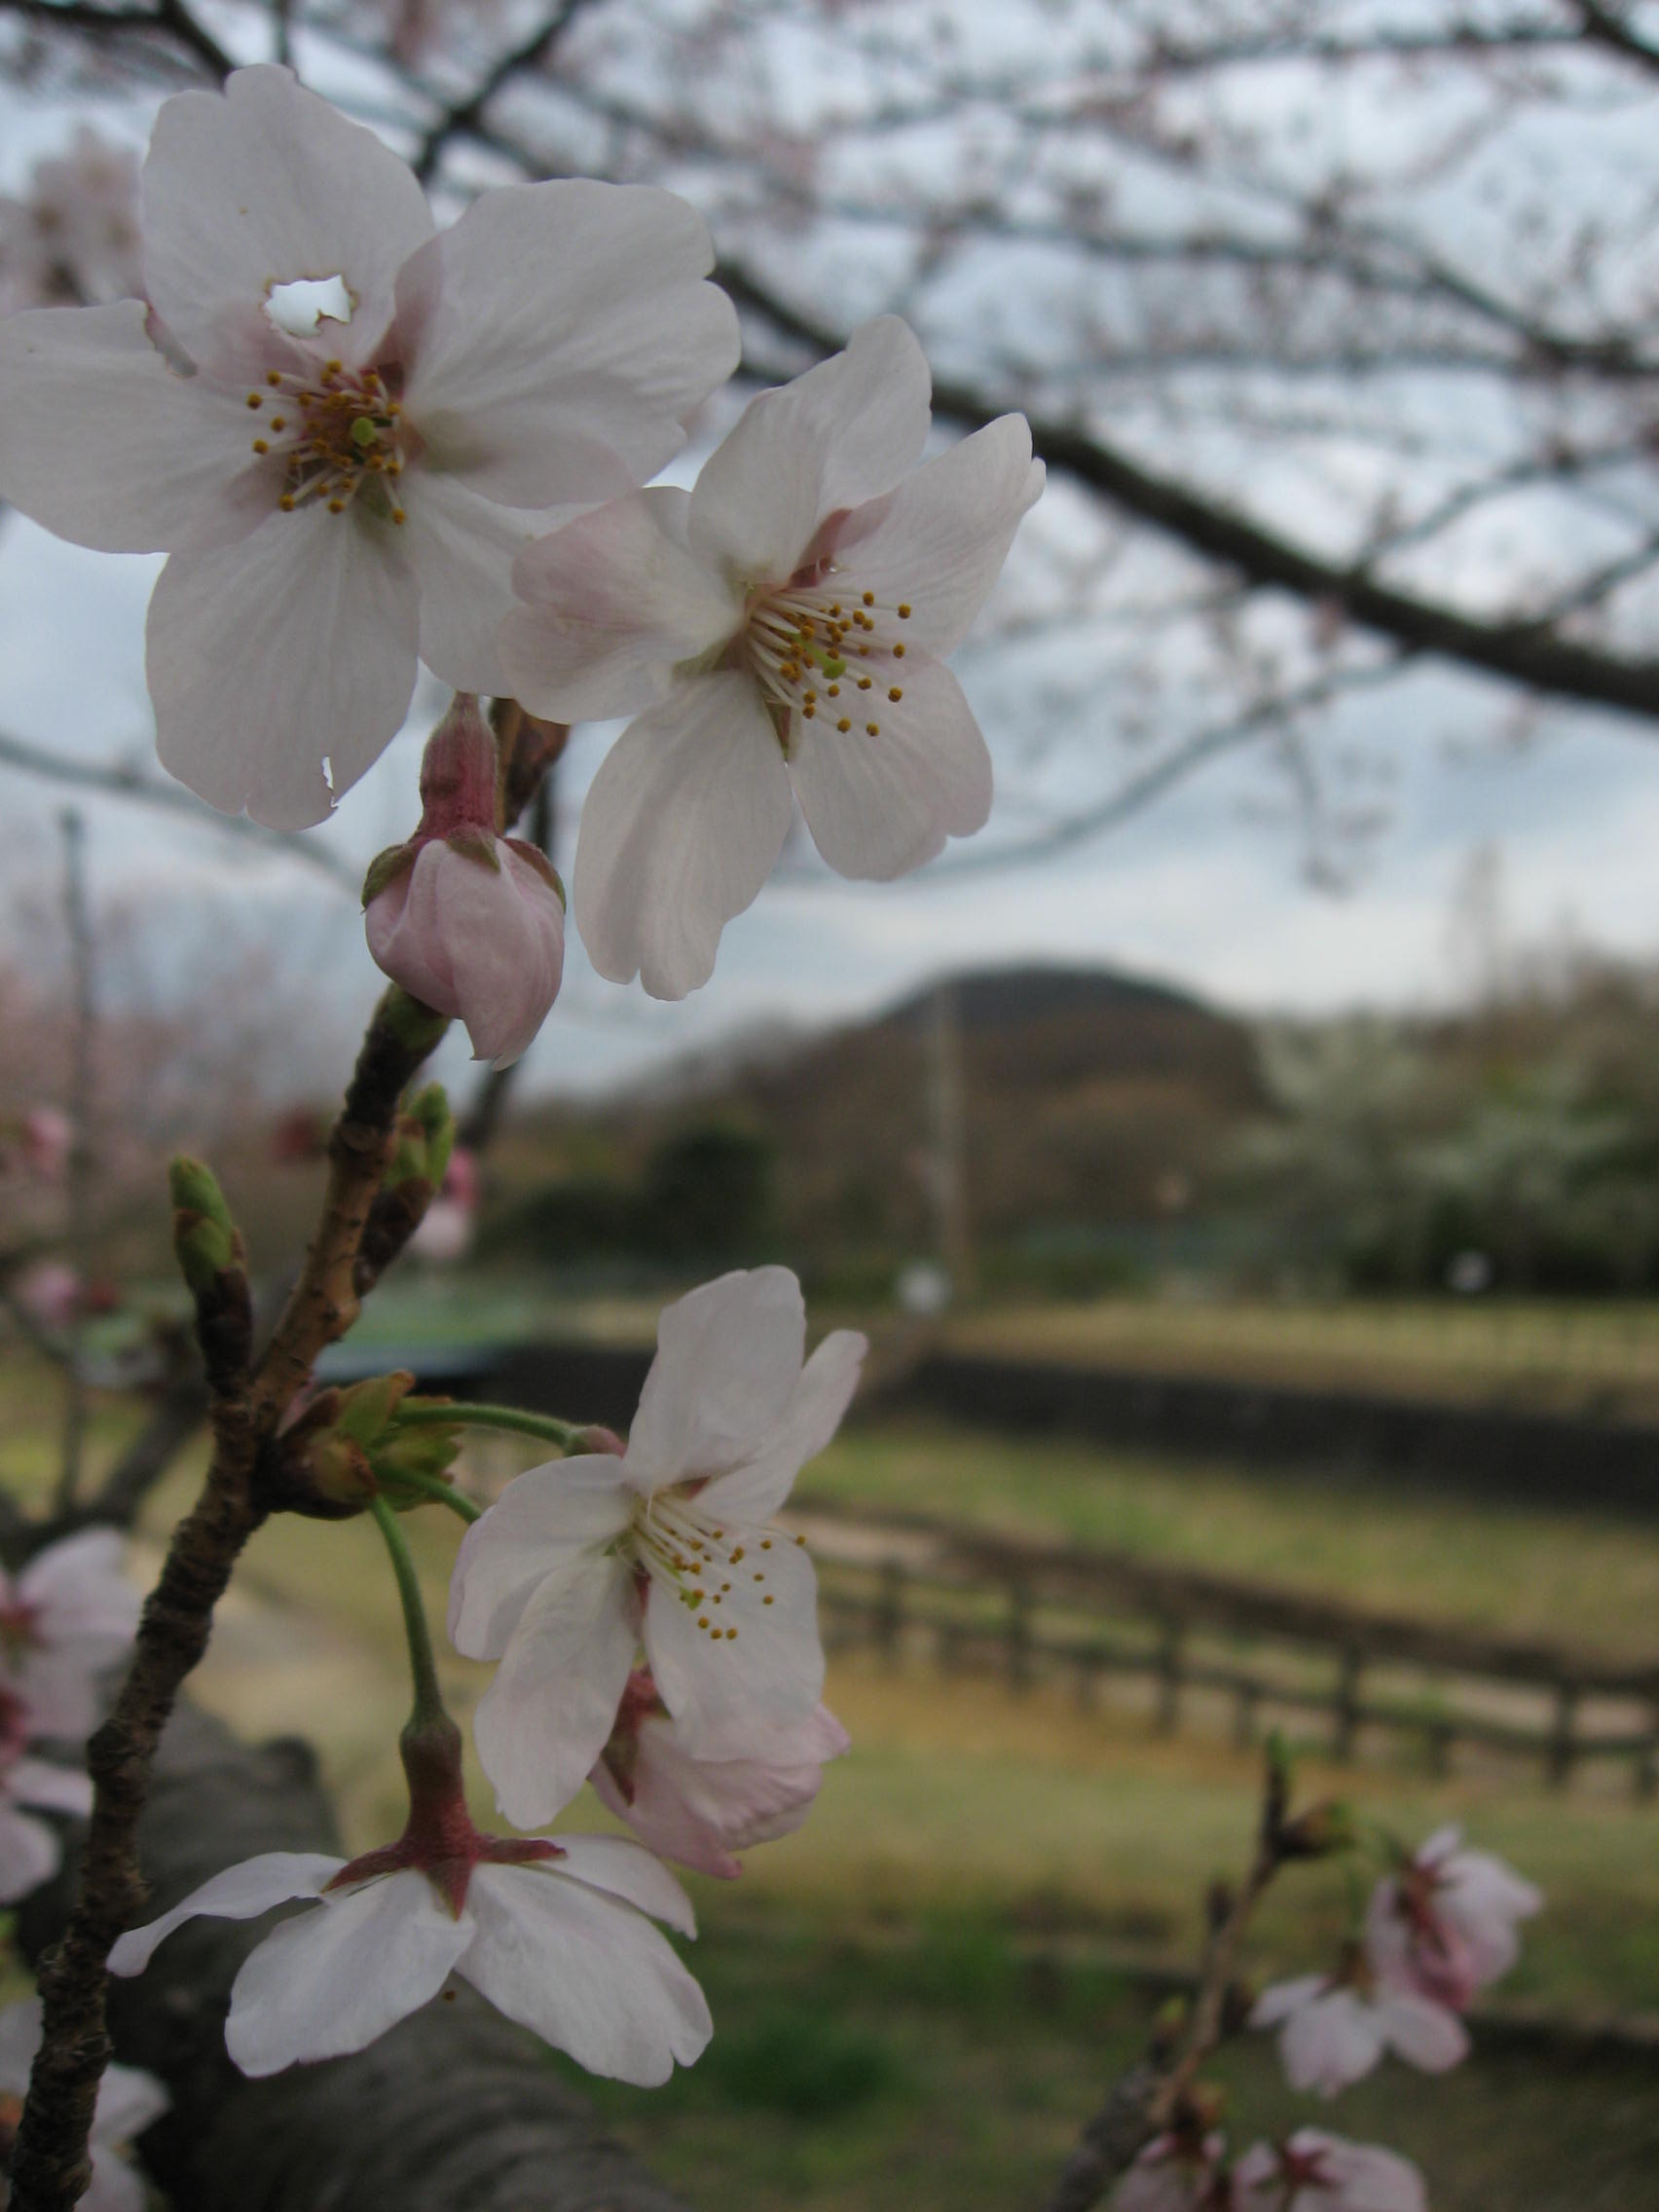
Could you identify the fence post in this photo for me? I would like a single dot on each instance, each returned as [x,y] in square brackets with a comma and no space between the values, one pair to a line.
[1168,1715]
[1244,1715]
[1562,1748]
[1346,1709]
[887,1619]
[1018,1637]
[1644,1772]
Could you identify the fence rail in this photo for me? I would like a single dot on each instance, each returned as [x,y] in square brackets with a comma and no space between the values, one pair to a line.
[903,1585]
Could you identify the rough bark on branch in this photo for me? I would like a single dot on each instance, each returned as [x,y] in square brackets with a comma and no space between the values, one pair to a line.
[454,2111]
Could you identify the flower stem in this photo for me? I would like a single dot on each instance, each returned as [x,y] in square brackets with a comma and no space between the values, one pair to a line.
[441,1493]
[429,1698]
[567,1434]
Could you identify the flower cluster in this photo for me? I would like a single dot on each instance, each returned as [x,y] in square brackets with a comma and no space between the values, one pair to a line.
[1311,2171]
[654,1631]
[365,443]
[1439,1928]
[72,239]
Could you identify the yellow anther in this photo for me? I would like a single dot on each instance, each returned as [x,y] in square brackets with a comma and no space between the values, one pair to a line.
[704,1622]
[864,682]
[272,379]
[287,502]
[255,399]
[872,729]
[844,724]
[259,446]
[870,598]
[801,1541]
[903,611]
[277,423]
[397,515]
[765,1543]
[337,506]
[809,713]
[834,690]
[333,368]
[737,1554]
[766,1600]
[895,693]
[898,652]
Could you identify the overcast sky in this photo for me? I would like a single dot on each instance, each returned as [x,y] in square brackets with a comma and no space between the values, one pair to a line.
[1205,890]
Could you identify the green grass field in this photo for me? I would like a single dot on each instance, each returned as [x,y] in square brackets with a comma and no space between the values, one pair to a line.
[920,1995]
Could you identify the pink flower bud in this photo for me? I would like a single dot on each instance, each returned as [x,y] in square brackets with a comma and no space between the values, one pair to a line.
[470,923]
[50,1294]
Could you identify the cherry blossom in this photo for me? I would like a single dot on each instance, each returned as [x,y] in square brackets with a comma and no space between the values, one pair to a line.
[1334,2028]
[670,1545]
[343,475]
[699,1812]
[49,1293]
[1176,2173]
[1315,2172]
[469,923]
[784,627]
[29,1849]
[1445,1924]
[129,2102]
[554,1933]
[70,1614]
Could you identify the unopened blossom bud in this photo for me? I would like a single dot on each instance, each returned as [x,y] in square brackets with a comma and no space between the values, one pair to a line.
[206,1238]
[469,922]
[347,1447]
[213,1262]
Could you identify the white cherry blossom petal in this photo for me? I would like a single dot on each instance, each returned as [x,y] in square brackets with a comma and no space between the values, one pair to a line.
[879,806]
[241,1892]
[330,1982]
[263,184]
[768,1666]
[463,547]
[541,1523]
[129,2100]
[484,944]
[939,543]
[1423,2033]
[547,1714]
[582,407]
[626,1870]
[680,830]
[755,1490]
[29,1854]
[100,441]
[79,1592]
[267,657]
[1330,2043]
[588,1974]
[1286,1997]
[728,1367]
[611,604]
[52,1789]
[842,433]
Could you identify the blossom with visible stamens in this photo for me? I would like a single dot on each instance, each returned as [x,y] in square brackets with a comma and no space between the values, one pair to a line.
[1315,2172]
[1177,2172]
[699,1811]
[554,1931]
[129,2102]
[342,491]
[670,1545]
[784,627]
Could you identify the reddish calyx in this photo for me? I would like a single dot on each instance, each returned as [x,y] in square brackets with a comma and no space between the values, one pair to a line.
[440,1839]
[621,1753]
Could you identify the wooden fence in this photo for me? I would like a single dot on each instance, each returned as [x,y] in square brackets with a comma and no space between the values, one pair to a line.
[907,1586]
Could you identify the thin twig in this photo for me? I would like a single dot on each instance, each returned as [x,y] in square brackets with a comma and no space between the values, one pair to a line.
[528,53]
[80,1163]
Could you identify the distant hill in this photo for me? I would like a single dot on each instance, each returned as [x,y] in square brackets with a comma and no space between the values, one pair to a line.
[1089,1101]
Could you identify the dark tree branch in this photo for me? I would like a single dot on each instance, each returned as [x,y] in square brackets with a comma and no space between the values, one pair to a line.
[1518,651]
[530,54]
[169,20]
